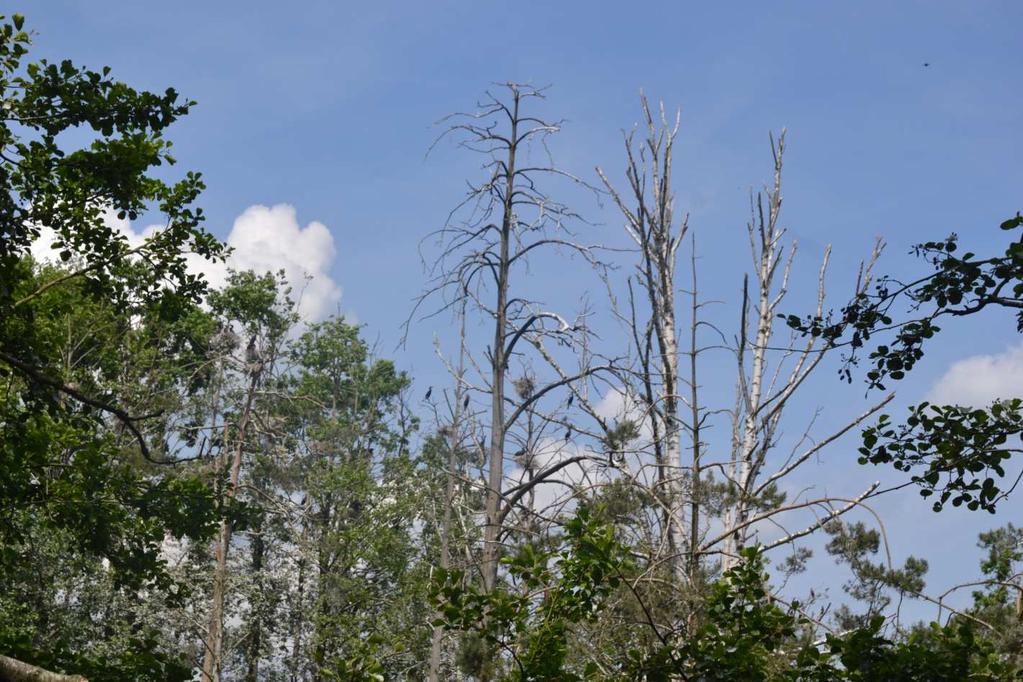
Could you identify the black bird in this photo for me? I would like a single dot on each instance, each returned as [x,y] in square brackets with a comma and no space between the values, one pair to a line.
[465,403]
[429,392]
[571,397]
[927,63]
[568,433]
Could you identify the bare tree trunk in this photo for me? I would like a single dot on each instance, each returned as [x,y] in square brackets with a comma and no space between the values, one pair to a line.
[215,633]
[502,222]
[762,395]
[437,636]
[695,422]
[495,473]
[255,638]
[651,226]
[454,444]
[298,612]
[754,433]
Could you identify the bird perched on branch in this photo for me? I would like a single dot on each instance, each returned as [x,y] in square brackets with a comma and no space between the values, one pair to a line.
[253,361]
[429,392]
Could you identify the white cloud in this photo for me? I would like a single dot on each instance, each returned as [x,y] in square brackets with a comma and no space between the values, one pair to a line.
[264,239]
[267,239]
[978,380]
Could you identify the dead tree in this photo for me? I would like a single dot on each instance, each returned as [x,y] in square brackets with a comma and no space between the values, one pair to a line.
[665,395]
[489,238]
[455,435]
[649,211]
[770,373]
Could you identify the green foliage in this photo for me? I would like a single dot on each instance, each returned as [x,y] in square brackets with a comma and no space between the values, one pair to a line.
[999,599]
[67,466]
[742,633]
[959,452]
[65,611]
[82,345]
[957,285]
[362,492]
[941,654]
[531,617]
[954,453]
[58,450]
[619,436]
[68,191]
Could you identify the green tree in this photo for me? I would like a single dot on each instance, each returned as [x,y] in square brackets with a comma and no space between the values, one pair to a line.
[363,598]
[999,597]
[70,440]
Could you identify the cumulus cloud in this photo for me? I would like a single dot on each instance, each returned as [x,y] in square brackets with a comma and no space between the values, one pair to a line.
[263,239]
[978,380]
[267,239]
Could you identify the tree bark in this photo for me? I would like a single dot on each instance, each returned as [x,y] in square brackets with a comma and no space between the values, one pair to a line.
[215,634]
[495,474]
[13,670]
[650,223]
[454,443]
[255,642]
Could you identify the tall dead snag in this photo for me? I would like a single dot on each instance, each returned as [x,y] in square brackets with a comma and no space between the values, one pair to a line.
[490,237]
[648,208]
[736,491]
[769,374]
[455,433]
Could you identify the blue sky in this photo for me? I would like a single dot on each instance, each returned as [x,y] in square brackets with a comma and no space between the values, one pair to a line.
[330,107]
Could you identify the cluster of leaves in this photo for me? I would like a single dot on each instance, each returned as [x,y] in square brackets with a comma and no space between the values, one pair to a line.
[937,653]
[60,634]
[746,634]
[57,444]
[961,451]
[531,619]
[957,285]
[956,454]
[999,599]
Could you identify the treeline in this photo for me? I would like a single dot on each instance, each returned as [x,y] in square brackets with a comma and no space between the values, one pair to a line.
[196,483]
